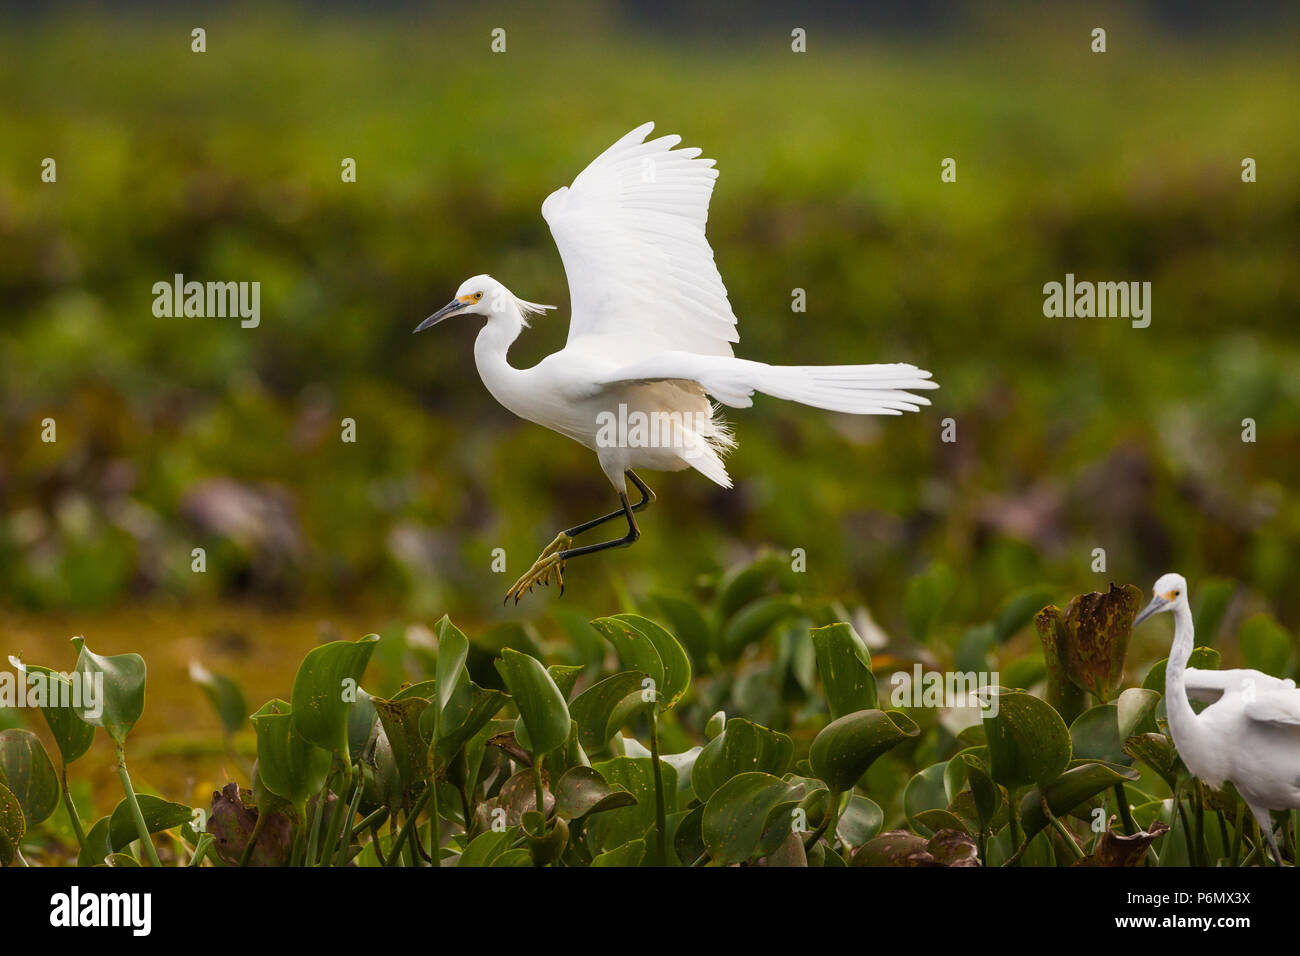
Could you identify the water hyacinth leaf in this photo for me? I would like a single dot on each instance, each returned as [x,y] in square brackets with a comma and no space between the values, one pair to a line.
[223,694]
[409,748]
[122,678]
[519,857]
[1157,752]
[1205,658]
[96,847]
[629,854]
[1065,696]
[290,765]
[604,708]
[645,646]
[453,651]
[583,790]
[1265,645]
[453,736]
[742,747]
[1028,741]
[901,848]
[935,820]
[72,735]
[606,831]
[1098,628]
[565,677]
[324,689]
[159,815]
[487,846]
[25,768]
[361,722]
[859,821]
[1100,732]
[847,747]
[12,826]
[744,809]
[985,793]
[544,713]
[1069,790]
[926,790]
[844,664]
[1118,849]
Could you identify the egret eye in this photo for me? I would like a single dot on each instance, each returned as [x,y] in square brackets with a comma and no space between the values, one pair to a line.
[477,296]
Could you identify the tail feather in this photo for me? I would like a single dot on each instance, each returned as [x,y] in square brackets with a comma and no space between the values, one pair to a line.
[854,389]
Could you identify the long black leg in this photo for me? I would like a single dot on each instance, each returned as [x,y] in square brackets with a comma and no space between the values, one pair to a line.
[633,533]
[647,498]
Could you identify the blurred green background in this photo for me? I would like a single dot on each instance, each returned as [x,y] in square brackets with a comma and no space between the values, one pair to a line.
[1073,434]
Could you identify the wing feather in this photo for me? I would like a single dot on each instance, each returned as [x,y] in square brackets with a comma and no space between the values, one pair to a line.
[630,230]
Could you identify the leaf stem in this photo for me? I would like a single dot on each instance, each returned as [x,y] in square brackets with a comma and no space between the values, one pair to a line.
[661,817]
[141,827]
[68,805]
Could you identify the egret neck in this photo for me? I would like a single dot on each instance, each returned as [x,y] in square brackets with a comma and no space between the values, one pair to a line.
[503,326]
[1183,721]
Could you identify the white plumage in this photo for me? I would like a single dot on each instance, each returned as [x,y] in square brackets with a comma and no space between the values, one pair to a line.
[1250,732]
[652,329]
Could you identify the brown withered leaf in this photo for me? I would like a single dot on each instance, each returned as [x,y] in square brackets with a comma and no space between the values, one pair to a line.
[904,848]
[1119,849]
[231,821]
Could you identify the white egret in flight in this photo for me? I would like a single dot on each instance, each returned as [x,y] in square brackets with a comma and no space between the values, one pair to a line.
[1250,733]
[650,337]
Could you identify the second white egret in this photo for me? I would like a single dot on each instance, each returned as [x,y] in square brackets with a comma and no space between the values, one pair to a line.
[650,337]
[1249,733]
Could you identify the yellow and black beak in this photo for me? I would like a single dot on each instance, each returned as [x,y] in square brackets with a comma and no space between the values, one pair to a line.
[1158,603]
[452,307]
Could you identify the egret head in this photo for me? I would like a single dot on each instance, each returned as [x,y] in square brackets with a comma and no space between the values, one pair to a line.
[483,295]
[1169,594]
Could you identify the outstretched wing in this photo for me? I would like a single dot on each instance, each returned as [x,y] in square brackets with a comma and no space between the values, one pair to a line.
[1210,685]
[630,231]
[1278,707]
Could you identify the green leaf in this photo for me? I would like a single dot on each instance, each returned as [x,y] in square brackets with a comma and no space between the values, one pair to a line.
[582,790]
[1212,599]
[629,854]
[123,679]
[604,708]
[1068,790]
[565,677]
[613,828]
[753,621]
[543,710]
[847,747]
[455,734]
[12,826]
[223,694]
[844,664]
[290,765]
[1099,733]
[327,683]
[453,651]
[987,797]
[1018,610]
[859,821]
[487,847]
[1027,740]
[25,768]
[926,790]
[159,815]
[72,735]
[745,814]
[644,646]
[410,749]
[741,747]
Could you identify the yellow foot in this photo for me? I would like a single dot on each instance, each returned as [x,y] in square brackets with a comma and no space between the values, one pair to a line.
[548,563]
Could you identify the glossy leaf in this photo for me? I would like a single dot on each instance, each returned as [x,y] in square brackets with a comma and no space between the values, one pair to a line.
[739,814]
[629,854]
[742,747]
[159,815]
[25,768]
[844,664]
[1069,790]
[604,708]
[644,646]
[1027,740]
[123,680]
[223,694]
[72,735]
[290,765]
[583,790]
[847,747]
[324,689]
[544,713]
[13,825]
